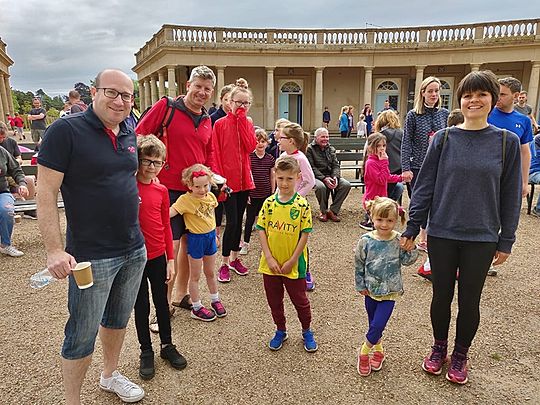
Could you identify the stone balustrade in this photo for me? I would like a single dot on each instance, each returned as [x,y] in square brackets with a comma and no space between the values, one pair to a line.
[369,38]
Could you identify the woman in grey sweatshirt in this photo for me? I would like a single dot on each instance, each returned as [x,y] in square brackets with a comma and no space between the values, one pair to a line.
[469,187]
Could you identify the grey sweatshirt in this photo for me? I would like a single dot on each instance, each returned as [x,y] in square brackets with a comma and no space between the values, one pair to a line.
[464,189]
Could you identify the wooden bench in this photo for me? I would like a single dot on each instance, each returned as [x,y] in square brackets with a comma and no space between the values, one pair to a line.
[27,155]
[30,170]
[358,159]
[348,143]
[30,205]
[29,145]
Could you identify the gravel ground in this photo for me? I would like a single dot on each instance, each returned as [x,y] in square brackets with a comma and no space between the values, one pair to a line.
[230,363]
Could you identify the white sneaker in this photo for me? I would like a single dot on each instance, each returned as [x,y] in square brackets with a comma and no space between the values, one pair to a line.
[492,271]
[11,251]
[126,390]
[244,249]
[153,326]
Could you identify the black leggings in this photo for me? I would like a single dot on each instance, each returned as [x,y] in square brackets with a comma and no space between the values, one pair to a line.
[155,271]
[472,259]
[235,205]
[252,210]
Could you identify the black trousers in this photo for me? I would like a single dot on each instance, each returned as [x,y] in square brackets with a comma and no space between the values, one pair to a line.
[155,272]
[252,211]
[235,205]
[472,259]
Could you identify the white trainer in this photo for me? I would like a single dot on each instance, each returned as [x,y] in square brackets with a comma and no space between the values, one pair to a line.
[244,249]
[11,251]
[126,390]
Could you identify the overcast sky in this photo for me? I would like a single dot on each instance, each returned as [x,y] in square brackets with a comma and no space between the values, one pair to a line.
[56,44]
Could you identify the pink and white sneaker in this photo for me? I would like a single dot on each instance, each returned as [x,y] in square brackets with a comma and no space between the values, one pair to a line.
[224,274]
[238,267]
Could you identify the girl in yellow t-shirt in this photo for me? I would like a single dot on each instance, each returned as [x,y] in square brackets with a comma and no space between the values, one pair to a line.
[197,206]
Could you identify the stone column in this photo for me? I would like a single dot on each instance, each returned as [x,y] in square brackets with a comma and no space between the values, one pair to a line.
[532,91]
[368,83]
[161,80]
[147,95]
[153,89]
[4,107]
[317,117]
[220,82]
[142,95]
[171,79]
[475,67]
[8,91]
[180,80]
[270,116]
[419,78]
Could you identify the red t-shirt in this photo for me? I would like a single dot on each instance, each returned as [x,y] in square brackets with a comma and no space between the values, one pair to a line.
[154,220]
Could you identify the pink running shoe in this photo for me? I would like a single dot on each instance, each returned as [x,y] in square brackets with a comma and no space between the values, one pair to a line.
[239,268]
[219,309]
[363,365]
[434,362]
[457,372]
[377,361]
[203,314]
[224,274]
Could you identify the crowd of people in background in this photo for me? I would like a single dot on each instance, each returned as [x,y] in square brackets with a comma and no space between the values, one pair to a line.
[195,166]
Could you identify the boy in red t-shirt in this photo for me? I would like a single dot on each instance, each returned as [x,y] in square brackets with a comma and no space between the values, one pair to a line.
[159,270]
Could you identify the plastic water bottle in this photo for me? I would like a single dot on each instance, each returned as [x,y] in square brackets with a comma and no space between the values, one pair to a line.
[41,279]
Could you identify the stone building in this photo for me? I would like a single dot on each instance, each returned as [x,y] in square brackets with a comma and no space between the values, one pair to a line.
[6,102]
[295,73]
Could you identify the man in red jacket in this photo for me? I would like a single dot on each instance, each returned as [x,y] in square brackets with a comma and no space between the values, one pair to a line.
[188,139]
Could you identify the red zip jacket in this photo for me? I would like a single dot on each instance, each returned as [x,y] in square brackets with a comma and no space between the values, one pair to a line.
[187,144]
[233,140]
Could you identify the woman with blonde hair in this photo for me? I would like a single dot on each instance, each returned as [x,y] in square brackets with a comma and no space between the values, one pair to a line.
[344,121]
[388,124]
[421,123]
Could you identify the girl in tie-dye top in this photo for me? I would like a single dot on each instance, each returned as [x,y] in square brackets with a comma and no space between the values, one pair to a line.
[378,261]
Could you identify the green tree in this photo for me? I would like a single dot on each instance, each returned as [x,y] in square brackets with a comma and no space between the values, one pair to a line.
[84,91]
[16,105]
[57,102]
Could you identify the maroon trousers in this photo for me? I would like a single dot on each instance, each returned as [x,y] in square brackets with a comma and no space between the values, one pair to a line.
[274,286]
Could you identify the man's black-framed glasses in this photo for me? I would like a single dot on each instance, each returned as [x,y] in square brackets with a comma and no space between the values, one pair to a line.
[112,93]
[148,162]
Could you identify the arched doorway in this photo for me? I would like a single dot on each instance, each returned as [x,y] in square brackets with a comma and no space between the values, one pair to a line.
[290,100]
[387,90]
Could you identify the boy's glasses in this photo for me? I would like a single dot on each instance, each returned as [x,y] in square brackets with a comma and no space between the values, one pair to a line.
[112,93]
[148,162]
[242,103]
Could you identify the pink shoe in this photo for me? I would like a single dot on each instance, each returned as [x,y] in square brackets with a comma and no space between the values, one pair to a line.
[377,361]
[219,309]
[457,372]
[363,365]
[239,268]
[433,363]
[224,274]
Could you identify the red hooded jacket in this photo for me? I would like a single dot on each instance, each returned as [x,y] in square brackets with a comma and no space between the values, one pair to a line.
[233,139]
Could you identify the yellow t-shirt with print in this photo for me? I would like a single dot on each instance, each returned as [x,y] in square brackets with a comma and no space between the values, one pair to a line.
[198,212]
[283,222]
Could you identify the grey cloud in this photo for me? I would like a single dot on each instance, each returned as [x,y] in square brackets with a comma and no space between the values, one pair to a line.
[55,44]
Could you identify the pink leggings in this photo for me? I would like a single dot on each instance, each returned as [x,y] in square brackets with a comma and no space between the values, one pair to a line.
[274,287]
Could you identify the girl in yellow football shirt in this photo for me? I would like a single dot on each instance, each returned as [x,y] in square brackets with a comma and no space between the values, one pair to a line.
[197,207]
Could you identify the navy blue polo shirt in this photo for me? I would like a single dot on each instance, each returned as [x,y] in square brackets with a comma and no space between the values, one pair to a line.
[99,186]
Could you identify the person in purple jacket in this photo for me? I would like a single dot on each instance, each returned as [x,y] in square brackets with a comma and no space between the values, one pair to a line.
[469,187]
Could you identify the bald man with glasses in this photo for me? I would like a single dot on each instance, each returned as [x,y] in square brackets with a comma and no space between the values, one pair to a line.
[92,158]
